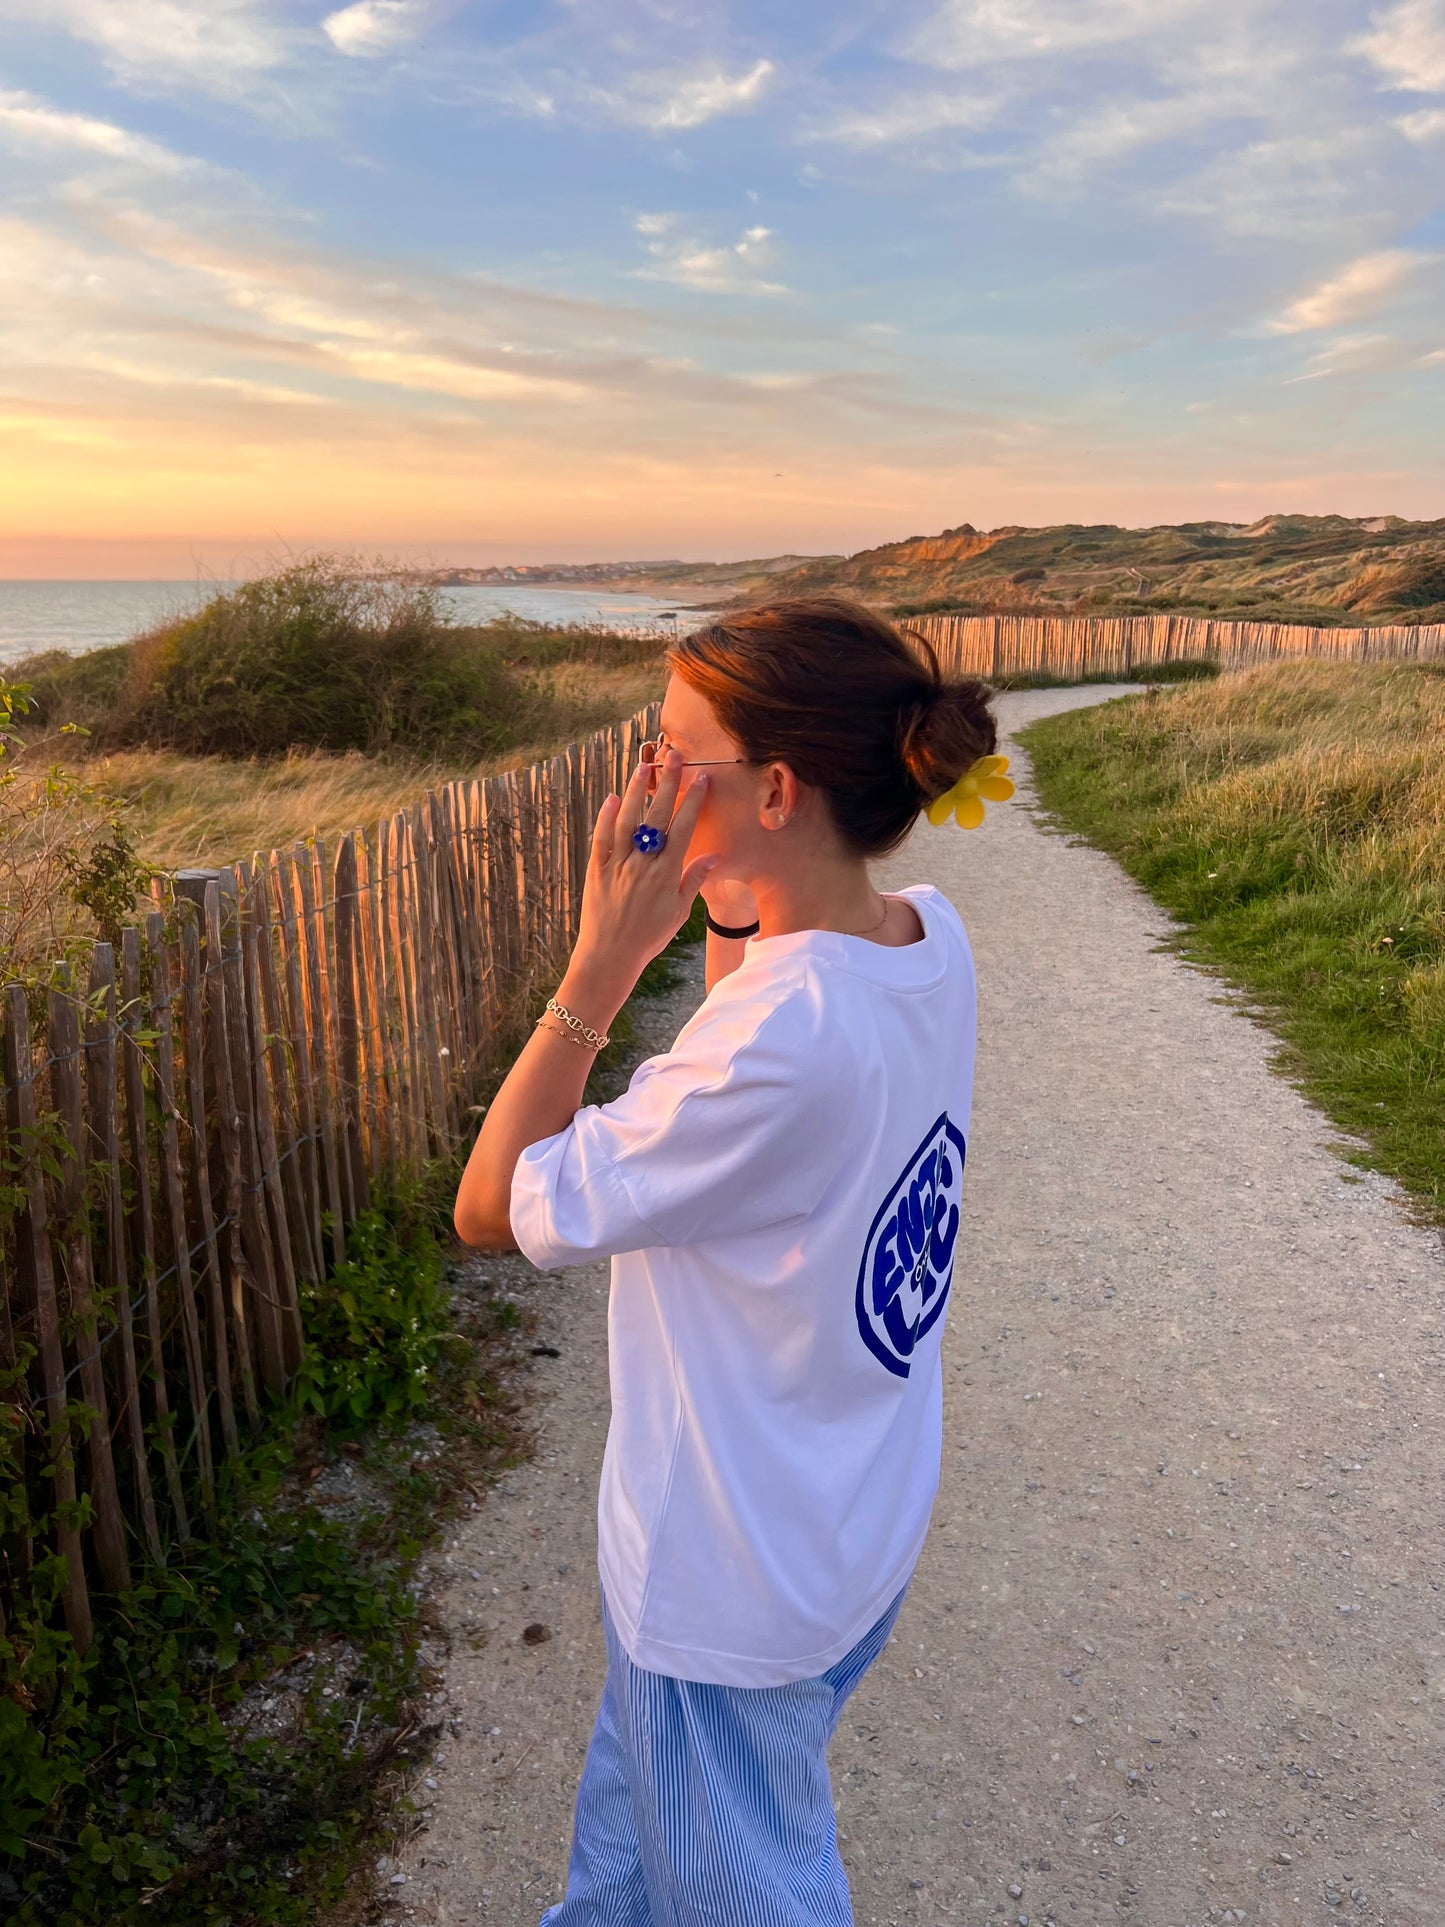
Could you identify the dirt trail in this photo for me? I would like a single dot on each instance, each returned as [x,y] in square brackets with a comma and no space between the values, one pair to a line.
[1174,1652]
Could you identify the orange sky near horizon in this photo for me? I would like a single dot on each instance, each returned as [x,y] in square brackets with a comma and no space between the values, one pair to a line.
[471,285]
[156,500]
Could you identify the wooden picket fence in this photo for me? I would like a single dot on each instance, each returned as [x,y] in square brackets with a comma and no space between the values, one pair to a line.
[1071,647]
[189,1127]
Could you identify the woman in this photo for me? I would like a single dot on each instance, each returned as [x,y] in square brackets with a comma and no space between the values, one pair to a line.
[779,1196]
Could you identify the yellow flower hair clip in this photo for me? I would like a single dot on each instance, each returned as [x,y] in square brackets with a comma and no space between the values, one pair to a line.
[965,800]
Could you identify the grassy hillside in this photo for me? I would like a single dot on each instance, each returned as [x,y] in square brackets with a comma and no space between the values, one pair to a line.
[1323,569]
[1293,817]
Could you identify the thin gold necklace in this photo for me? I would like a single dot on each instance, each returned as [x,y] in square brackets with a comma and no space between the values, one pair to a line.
[872,926]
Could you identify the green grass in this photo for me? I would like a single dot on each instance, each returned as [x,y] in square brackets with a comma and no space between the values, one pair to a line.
[1293,819]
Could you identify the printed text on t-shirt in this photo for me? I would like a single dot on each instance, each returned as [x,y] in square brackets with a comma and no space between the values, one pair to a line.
[907,1268]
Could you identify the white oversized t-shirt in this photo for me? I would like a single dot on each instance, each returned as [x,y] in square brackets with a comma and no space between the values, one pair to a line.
[779,1195]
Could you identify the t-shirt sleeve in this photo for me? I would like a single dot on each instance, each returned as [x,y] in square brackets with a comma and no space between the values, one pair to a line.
[728,1133]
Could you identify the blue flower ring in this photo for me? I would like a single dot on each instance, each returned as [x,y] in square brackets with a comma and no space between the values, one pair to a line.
[648,839]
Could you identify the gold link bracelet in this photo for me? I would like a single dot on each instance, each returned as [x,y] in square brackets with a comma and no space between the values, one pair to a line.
[580,1033]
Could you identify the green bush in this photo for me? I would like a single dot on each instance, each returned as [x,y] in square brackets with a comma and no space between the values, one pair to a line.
[376,1327]
[130,1788]
[85,692]
[325,656]
[943,605]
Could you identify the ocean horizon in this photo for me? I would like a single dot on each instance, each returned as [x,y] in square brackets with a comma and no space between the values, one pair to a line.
[75,616]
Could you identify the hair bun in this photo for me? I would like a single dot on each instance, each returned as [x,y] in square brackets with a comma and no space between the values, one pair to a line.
[856,708]
[944,733]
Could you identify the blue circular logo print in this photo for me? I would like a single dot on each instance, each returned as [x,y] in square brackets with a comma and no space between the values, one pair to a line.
[907,1263]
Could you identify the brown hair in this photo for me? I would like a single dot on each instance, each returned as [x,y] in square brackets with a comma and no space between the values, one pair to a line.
[854,707]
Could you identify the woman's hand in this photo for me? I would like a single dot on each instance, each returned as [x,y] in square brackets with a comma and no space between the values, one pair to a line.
[634,904]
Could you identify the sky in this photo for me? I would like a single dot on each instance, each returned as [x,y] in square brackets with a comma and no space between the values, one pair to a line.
[480,281]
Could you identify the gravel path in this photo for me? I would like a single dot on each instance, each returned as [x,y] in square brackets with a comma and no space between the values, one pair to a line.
[1174,1652]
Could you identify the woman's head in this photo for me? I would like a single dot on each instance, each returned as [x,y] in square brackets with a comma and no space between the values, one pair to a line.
[860,714]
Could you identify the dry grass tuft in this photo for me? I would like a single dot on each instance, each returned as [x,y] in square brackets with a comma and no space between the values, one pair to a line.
[207,810]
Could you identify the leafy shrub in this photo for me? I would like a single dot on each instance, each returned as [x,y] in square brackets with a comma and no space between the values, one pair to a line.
[376,1327]
[328,655]
[323,655]
[82,692]
[131,1789]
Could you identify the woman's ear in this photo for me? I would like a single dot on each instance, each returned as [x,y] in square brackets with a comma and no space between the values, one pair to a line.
[782,797]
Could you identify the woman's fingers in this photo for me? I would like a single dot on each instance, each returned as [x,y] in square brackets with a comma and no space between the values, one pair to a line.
[669,779]
[604,833]
[634,805]
[682,821]
[696,875]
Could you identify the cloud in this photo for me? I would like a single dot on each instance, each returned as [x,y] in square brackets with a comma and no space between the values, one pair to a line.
[1406,43]
[702,97]
[1366,285]
[1069,90]
[617,87]
[975,33]
[374,27]
[1114,132]
[1427,125]
[129,289]
[1294,186]
[451,374]
[682,259]
[906,118]
[673,99]
[1368,354]
[29,123]
[222,48]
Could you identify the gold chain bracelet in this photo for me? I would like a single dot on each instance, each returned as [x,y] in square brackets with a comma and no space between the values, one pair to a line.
[580,1033]
[561,1030]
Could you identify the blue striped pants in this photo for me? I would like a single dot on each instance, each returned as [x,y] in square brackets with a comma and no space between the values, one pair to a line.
[710,1806]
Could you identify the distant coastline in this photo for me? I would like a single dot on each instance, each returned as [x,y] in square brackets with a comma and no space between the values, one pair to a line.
[1317,570]
[77,616]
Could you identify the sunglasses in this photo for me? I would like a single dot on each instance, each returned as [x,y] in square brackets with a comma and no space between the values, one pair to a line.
[651,755]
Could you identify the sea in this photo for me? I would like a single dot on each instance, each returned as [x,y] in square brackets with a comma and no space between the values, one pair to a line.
[76,616]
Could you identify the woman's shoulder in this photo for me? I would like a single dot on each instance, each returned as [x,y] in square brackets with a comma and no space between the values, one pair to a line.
[767,1038]
[930,901]
[773,994]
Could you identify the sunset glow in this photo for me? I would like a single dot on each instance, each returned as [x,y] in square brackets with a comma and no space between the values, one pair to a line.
[479,283]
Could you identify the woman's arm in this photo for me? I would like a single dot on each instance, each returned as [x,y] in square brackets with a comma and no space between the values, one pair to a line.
[632,907]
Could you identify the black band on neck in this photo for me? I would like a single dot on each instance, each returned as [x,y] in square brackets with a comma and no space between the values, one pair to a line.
[733,936]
